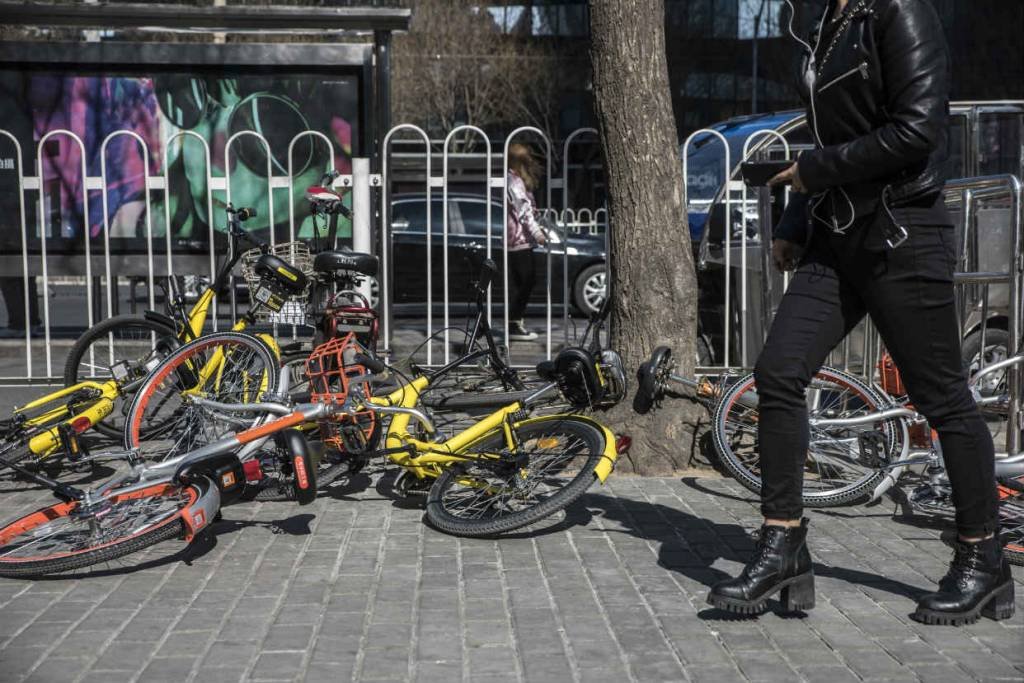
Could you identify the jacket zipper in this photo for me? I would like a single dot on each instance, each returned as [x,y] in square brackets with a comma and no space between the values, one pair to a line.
[862,68]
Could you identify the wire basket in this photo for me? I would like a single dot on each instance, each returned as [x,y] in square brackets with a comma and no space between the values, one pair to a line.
[332,369]
[295,309]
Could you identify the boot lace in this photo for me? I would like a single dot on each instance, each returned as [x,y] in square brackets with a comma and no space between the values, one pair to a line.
[965,559]
[763,548]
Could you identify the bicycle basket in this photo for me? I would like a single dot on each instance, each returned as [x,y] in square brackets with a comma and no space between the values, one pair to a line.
[273,288]
[332,373]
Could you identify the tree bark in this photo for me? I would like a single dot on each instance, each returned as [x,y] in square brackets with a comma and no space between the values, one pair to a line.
[653,283]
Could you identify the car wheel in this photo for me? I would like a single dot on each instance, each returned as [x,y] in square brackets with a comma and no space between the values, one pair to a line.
[589,290]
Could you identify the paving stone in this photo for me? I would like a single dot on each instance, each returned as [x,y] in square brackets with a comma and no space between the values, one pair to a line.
[619,597]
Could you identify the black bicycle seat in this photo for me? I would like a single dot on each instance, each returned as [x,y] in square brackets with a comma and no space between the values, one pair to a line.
[277,270]
[333,261]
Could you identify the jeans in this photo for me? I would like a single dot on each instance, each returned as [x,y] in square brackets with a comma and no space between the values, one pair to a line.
[908,292]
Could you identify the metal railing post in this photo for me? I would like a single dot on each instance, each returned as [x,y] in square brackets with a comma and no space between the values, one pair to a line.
[385,220]
[726,227]
[362,237]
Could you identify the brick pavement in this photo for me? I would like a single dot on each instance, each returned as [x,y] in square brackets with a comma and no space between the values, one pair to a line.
[355,586]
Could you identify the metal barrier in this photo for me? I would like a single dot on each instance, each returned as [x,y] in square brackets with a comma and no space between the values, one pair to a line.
[966,195]
[103,264]
[570,223]
[114,265]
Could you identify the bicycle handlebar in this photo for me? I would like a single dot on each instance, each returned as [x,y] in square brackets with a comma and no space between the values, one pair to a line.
[372,364]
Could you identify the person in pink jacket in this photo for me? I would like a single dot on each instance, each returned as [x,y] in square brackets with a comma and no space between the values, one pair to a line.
[523,233]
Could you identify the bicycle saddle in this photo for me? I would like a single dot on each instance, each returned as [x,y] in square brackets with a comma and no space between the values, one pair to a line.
[332,261]
[281,273]
[326,200]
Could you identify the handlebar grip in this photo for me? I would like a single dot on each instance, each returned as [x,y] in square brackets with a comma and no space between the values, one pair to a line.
[372,364]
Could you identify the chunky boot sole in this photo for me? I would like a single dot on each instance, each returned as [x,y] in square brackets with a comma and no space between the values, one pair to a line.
[997,606]
[797,595]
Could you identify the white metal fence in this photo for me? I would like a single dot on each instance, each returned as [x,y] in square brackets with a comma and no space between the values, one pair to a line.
[102,263]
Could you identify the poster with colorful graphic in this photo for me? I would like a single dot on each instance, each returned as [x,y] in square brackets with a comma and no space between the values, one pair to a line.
[131,123]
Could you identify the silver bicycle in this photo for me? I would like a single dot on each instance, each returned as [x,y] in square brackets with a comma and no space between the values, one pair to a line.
[862,440]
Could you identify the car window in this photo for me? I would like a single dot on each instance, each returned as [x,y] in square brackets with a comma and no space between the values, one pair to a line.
[958,146]
[409,215]
[474,217]
[999,146]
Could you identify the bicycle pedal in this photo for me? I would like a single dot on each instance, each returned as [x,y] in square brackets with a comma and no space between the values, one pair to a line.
[872,450]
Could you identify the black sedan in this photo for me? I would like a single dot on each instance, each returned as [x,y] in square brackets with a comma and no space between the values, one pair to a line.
[467,247]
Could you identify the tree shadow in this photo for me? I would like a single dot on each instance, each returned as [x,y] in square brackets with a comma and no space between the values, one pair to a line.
[694,483]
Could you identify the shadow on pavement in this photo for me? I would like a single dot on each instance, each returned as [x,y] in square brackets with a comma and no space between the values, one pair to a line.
[690,546]
[296,525]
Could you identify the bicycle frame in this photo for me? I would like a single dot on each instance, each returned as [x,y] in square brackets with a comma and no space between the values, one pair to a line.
[426,459]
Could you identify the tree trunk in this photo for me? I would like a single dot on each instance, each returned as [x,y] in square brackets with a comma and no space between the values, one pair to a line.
[651,263]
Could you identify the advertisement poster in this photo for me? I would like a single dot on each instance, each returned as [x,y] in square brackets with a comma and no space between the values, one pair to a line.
[166,110]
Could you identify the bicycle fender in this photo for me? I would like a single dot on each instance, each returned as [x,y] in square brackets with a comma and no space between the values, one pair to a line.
[294,443]
[611,453]
[201,513]
[272,343]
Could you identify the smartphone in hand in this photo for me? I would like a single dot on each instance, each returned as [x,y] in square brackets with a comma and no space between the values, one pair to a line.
[758,173]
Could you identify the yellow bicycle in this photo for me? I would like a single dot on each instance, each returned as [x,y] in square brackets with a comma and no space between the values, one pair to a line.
[508,470]
[49,426]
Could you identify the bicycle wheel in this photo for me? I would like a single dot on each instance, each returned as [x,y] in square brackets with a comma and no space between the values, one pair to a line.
[835,473]
[64,536]
[1011,519]
[138,341]
[228,367]
[500,490]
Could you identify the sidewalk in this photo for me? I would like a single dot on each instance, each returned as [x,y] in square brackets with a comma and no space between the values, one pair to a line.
[356,586]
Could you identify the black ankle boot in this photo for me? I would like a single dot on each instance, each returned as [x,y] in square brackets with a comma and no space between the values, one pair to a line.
[977,584]
[781,562]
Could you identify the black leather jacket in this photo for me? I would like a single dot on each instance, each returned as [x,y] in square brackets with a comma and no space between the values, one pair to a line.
[878,111]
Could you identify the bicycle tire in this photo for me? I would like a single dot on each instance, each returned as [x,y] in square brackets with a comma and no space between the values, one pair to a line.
[99,333]
[181,361]
[170,527]
[840,496]
[1014,553]
[1011,516]
[443,520]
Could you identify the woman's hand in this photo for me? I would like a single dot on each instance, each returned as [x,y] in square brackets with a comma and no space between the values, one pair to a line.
[786,254]
[791,176]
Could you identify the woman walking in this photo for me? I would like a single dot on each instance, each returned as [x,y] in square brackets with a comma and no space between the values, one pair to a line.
[523,232]
[868,234]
